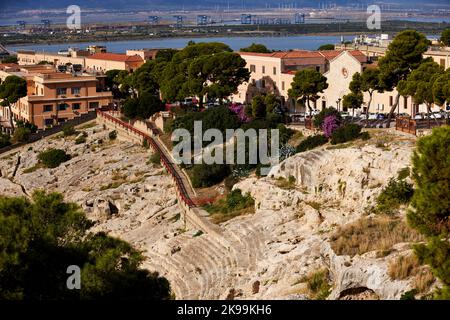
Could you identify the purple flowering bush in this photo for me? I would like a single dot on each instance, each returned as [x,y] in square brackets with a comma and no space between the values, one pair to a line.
[330,123]
[239,110]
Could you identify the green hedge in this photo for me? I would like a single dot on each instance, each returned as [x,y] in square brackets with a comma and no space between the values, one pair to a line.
[346,133]
[311,142]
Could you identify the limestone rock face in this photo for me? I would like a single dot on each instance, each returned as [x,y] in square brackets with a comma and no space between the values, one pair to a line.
[266,255]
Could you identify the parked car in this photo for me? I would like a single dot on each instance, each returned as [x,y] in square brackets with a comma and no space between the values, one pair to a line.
[403,115]
[419,116]
[381,116]
[437,115]
[372,116]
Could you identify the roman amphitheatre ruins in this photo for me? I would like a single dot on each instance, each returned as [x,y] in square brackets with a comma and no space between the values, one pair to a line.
[294,231]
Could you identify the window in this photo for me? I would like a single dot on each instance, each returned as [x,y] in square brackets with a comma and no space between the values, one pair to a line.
[274,70]
[405,103]
[263,69]
[93,105]
[252,68]
[324,104]
[76,90]
[60,91]
[282,85]
[62,106]
[391,101]
[318,68]
[48,108]
[75,106]
[42,92]
[263,83]
[48,122]
[442,63]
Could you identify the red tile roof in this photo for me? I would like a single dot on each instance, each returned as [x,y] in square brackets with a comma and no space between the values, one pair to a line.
[116,57]
[295,54]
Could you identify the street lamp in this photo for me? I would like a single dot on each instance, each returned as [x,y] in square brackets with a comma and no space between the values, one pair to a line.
[338,103]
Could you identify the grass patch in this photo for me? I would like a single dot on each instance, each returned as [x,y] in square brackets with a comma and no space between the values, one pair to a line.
[409,266]
[112,185]
[369,234]
[340,146]
[233,205]
[318,284]
[32,169]
[87,125]
[404,267]
[286,184]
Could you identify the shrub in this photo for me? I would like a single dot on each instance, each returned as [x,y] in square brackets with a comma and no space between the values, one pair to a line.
[330,124]
[52,158]
[364,136]
[396,193]
[155,158]
[25,124]
[21,134]
[318,120]
[112,135]
[346,133]
[234,204]
[204,175]
[404,173]
[311,142]
[318,284]
[81,139]
[229,182]
[145,144]
[5,140]
[68,130]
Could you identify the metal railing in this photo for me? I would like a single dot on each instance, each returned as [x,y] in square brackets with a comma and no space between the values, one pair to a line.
[180,185]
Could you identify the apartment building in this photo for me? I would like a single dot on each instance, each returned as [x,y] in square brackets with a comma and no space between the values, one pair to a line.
[54,97]
[274,73]
[98,62]
[102,62]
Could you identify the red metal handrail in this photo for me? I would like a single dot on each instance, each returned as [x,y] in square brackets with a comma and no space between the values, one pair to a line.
[181,188]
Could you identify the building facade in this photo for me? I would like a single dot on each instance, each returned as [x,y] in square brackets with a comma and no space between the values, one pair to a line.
[54,97]
[98,62]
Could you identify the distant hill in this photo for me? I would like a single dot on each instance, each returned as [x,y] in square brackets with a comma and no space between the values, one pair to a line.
[189,4]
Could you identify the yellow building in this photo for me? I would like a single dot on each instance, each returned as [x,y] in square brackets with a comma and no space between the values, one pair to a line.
[99,62]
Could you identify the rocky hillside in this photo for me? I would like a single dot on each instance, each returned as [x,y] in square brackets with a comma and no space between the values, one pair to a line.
[291,248]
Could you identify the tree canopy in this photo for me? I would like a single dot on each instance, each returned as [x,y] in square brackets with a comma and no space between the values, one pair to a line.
[420,82]
[12,89]
[201,69]
[41,237]
[445,37]
[352,101]
[326,47]
[441,88]
[256,47]
[142,107]
[307,84]
[404,54]
[431,204]
[367,81]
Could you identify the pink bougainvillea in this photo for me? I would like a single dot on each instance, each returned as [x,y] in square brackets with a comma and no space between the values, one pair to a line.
[239,110]
[330,123]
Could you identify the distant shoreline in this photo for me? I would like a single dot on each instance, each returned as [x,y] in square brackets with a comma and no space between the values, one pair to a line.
[233,35]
